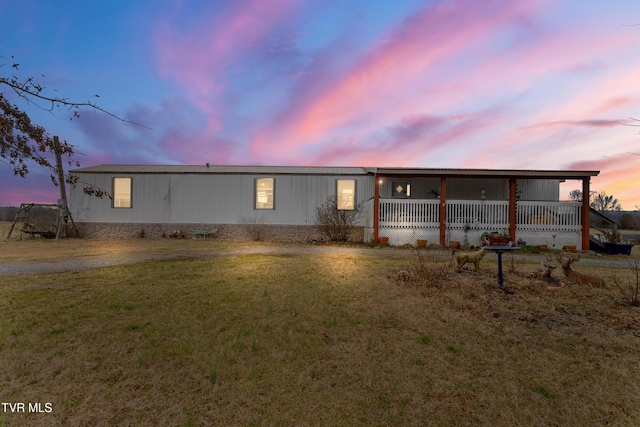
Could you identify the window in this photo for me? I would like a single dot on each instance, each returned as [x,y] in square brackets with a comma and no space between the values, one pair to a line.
[121,192]
[264,193]
[346,194]
[400,189]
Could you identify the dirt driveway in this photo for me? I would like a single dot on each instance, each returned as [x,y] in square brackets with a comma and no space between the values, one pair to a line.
[55,257]
[42,262]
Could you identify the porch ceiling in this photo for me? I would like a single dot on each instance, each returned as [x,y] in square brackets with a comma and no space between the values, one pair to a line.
[487,173]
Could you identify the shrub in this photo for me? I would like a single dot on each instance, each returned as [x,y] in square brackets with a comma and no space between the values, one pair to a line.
[334,224]
[429,269]
[631,290]
[611,234]
[255,227]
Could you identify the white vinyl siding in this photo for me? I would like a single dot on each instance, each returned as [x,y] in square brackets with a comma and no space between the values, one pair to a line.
[211,198]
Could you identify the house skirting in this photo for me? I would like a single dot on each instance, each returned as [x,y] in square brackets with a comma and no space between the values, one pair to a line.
[291,233]
[554,240]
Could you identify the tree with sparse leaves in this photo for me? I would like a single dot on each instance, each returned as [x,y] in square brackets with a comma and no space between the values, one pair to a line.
[575,195]
[604,203]
[22,142]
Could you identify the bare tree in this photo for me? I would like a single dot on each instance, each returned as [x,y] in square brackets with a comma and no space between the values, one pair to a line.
[604,203]
[575,195]
[23,142]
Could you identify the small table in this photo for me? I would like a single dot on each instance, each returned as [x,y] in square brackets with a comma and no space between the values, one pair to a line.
[499,249]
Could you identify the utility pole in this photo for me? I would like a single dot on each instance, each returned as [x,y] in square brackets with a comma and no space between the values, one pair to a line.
[64,213]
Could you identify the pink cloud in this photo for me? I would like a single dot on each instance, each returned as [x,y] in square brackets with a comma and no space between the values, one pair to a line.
[611,163]
[595,123]
[395,72]
[617,103]
[202,58]
[424,143]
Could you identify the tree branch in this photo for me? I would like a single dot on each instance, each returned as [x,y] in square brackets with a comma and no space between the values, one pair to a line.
[31,89]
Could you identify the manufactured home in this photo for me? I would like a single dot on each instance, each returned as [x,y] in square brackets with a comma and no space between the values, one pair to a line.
[401,204]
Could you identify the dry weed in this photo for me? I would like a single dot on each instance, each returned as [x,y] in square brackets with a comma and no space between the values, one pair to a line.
[429,269]
[630,290]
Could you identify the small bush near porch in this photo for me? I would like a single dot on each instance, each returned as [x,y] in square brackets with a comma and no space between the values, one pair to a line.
[264,334]
[337,225]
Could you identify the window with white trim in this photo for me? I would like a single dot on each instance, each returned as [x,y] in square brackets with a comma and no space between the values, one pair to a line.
[121,192]
[346,194]
[265,193]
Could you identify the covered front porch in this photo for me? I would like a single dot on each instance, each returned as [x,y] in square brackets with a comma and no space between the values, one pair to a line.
[439,206]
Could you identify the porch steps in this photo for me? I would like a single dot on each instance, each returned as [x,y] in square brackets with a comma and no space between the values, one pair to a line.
[596,245]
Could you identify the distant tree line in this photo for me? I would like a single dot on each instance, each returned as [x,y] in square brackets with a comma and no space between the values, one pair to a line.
[8,213]
[36,213]
[610,206]
[629,220]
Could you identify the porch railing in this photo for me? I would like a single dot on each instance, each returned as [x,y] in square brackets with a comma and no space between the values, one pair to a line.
[487,215]
[405,213]
[549,216]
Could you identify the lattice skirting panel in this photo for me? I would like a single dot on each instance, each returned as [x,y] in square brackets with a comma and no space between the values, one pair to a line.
[399,237]
[553,241]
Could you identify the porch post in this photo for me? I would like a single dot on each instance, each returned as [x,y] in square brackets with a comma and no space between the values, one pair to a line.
[376,207]
[512,208]
[585,214]
[443,210]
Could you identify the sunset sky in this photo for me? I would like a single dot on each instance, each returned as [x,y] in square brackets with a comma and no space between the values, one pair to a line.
[497,84]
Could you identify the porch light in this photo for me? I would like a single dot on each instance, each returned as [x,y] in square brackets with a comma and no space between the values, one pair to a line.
[483,194]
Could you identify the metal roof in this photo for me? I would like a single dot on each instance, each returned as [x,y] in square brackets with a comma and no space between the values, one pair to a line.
[217,169]
[487,173]
[338,170]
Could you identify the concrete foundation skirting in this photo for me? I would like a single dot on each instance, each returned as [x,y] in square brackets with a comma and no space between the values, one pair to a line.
[291,233]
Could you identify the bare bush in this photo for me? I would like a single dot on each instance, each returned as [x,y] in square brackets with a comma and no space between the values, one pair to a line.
[631,290]
[512,267]
[335,224]
[429,269]
[255,227]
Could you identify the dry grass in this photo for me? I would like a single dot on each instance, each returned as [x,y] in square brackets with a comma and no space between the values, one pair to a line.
[4,230]
[298,339]
[39,249]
